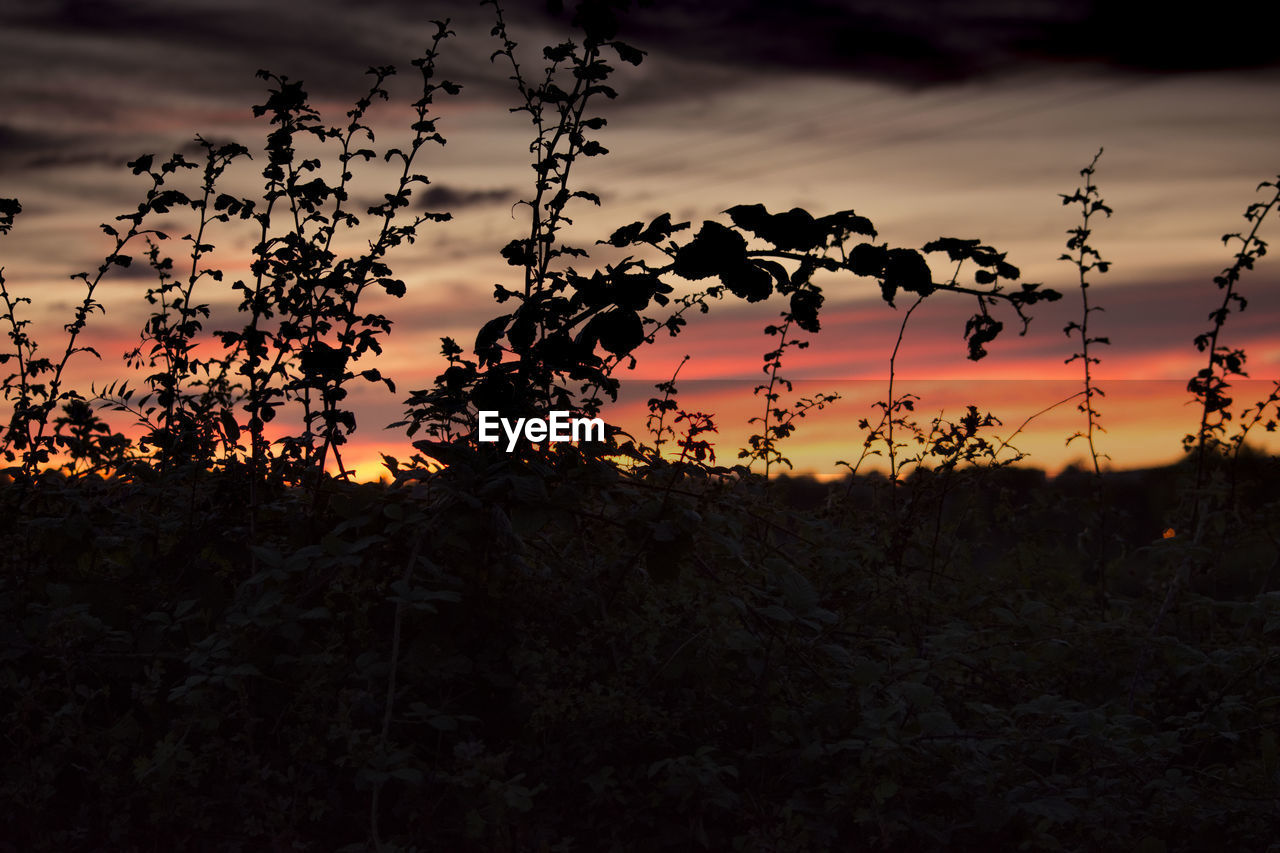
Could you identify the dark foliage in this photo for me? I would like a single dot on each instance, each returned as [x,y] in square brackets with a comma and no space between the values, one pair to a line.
[210,643]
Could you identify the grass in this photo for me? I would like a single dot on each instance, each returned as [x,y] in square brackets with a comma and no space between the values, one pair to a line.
[212,644]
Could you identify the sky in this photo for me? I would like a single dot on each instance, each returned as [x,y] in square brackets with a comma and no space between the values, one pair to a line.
[964,119]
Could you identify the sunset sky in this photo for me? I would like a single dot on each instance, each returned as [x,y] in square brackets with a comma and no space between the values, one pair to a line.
[963,119]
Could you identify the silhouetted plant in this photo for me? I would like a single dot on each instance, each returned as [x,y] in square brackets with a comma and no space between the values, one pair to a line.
[1249,418]
[603,311]
[660,407]
[699,450]
[545,650]
[1209,386]
[35,388]
[694,450]
[938,453]
[569,331]
[303,329]
[764,445]
[980,329]
[1086,259]
[299,277]
[949,445]
[188,424]
[1211,383]
[1097,523]
[1008,442]
[86,439]
[891,413]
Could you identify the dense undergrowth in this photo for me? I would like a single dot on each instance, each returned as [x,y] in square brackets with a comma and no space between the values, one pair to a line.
[532,655]
[210,644]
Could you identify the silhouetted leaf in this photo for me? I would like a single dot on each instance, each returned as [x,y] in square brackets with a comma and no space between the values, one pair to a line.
[634,291]
[907,269]
[518,253]
[779,273]
[627,53]
[618,331]
[805,304]
[714,249]
[626,235]
[487,339]
[229,426]
[981,329]
[660,229]
[749,282]
[956,248]
[10,208]
[869,260]
[523,330]
[323,361]
[794,230]
[845,222]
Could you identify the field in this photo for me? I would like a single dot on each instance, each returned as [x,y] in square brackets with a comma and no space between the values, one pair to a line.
[216,639]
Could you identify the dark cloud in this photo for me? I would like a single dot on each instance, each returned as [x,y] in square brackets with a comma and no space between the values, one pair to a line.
[22,148]
[927,42]
[92,67]
[15,141]
[115,69]
[311,41]
[220,43]
[106,17]
[443,198]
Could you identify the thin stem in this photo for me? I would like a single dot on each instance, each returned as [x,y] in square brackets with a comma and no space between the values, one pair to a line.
[893,360]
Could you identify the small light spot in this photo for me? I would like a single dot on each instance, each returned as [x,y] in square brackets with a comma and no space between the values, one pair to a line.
[1169,533]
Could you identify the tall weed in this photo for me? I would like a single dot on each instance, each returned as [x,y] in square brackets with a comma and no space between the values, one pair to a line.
[594,646]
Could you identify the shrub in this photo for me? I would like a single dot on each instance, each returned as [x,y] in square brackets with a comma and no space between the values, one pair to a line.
[210,644]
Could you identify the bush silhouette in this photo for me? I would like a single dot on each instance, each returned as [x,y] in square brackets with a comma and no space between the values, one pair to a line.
[212,644]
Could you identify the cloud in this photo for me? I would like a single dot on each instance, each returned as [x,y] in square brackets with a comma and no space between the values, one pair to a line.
[84,76]
[921,42]
[39,148]
[87,76]
[446,198]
